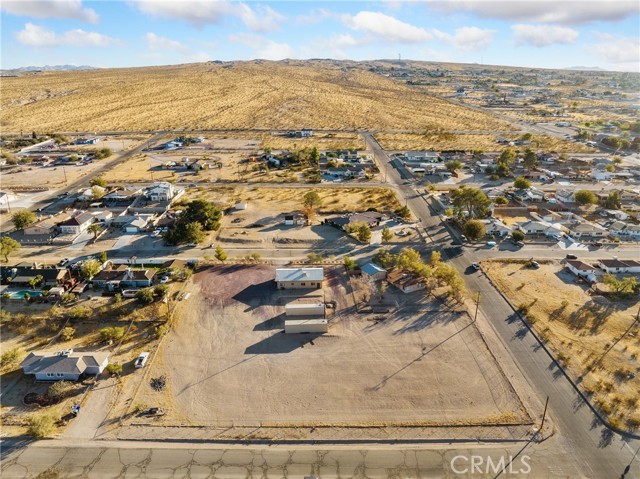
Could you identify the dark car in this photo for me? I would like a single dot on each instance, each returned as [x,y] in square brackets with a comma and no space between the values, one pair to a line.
[572,256]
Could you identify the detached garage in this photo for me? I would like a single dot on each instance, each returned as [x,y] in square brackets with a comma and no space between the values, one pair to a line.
[319,325]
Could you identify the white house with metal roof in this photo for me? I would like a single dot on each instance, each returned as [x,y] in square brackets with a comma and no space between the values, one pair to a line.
[299,278]
[64,365]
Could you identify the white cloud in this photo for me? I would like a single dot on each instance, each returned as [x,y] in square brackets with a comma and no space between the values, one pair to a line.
[313,17]
[548,11]
[37,36]
[262,47]
[543,35]
[157,42]
[388,28]
[201,13]
[50,9]
[467,38]
[262,19]
[198,13]
[618,49]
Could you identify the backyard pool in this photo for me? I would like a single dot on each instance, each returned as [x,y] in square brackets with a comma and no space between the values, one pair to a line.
[22,294]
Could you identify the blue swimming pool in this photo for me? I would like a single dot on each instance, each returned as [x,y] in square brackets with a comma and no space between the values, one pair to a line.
[22,294]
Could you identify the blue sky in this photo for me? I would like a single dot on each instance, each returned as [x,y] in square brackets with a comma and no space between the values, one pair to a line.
[540,33]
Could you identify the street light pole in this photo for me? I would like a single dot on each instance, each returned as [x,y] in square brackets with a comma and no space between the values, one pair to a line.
[475,316]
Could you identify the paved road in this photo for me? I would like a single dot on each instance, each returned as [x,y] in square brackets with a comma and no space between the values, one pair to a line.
[600,453]
[155,460]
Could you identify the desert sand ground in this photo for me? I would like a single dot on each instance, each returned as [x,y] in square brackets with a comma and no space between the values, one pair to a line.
[229,361]
[257,94]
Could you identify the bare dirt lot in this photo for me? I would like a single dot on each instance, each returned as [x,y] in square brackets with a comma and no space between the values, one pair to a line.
[592,335]
[228,361]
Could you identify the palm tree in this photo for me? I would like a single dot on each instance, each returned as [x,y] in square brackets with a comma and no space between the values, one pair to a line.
[95,228]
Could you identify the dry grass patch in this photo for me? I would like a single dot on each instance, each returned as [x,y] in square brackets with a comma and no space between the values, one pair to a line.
[585,332]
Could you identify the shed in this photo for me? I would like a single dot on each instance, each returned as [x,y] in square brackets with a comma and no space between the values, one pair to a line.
[296,308]
[374,271]
[310,325]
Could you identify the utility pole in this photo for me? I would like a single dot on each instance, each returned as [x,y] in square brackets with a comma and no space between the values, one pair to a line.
[544,414]
[475,316]
[65,175]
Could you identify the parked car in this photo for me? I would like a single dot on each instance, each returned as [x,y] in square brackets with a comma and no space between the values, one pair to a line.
[141,360]
[535,264]
[572,256]
[491,244]
[191,245]
[164,279]
[63,262]
[475,266]
[519,244]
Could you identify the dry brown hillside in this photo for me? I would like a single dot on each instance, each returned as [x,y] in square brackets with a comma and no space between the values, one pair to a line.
[238,95]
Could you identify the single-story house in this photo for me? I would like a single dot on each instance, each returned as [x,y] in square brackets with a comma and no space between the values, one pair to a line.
[76,224]
[539,228]
[136,225]
[64,365]
[20,275]
[565,196]
[587,230]
[103,217]
[619,266]
[374,271]
[582,270]
[46,226]
[122,194]
[297,219]
[494,226]
[299,278]
[405,282]
[370,218]
[123,276]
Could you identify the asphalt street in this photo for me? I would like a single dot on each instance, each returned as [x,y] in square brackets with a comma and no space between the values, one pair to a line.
[600,452]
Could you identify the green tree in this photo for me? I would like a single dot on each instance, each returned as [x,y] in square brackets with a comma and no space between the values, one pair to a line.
[453,165]
[202,212]
[530,159]
[112,333]
[610,168]
[315,257]
[193,233]
[59,390]
[10,357]
[350,263]
[408,260]
[90,268]
[526,137]
[521,183]
[114,369]
[98,181]
[517,235]
[363,233]
[314,156]
[160,290]
[501,200]
[403,212]
[35,281]
[67,333]
[145,296]
[95,228]
[387,234]
[506,158]
[384,258]
[97,192]
[470,201]
[612,201]
[311,200]
[22,219]
[103,257]
[585,197]
[625,286]
[103,153]
[220,255]
[474,230]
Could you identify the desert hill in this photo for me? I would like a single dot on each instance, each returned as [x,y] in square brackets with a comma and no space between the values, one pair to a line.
[256,94]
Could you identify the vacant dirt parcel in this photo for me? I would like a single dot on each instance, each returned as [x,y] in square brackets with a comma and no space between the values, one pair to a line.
[229,361]
[592,335]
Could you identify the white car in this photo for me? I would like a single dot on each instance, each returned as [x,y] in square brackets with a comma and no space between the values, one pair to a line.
[141,360]
[164,279]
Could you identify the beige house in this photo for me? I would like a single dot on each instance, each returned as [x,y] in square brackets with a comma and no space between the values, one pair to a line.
[299,278]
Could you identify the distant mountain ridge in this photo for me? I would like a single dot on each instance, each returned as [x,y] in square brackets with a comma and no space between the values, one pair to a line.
[51,68]
[586,69]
